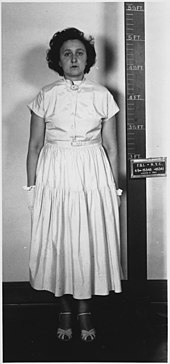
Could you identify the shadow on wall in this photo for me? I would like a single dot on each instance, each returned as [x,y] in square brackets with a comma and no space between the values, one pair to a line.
[34,71]
[34,68]
[110,56]
[109,65]
[108,71]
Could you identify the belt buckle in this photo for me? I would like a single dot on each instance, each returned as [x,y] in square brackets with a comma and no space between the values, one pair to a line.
[76,143]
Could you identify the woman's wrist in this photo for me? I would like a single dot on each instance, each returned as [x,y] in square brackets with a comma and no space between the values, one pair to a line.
[28,188]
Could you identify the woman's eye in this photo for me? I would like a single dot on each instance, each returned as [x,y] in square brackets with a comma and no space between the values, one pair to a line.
[66,54]
[77,54]
[80,53]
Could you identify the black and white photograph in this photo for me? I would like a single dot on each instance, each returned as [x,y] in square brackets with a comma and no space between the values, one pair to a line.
[85,154]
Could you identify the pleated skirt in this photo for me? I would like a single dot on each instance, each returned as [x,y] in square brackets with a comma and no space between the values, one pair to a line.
[75,239]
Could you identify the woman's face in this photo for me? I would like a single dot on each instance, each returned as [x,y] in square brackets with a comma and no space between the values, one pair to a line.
[73,59]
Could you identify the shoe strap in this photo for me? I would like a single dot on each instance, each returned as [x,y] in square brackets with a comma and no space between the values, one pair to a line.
[84,313]
[67,332]
[65,313]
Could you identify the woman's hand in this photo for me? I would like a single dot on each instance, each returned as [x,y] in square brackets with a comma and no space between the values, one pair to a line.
[30,196]
[119,193]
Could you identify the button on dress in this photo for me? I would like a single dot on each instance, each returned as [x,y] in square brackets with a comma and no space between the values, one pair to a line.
[75,240]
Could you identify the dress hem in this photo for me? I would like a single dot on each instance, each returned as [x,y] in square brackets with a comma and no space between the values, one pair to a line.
[75,297]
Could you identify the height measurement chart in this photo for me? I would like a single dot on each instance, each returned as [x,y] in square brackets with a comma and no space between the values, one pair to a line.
[135,79]
[135,141]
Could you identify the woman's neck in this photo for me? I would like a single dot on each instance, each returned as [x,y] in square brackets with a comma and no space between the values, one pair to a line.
[73,79]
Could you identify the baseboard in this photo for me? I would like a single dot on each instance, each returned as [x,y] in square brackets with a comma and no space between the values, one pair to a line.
[15,293]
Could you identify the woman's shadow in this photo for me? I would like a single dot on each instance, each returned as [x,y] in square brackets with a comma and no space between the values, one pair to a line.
[109,65]
[34,68]
[34,74]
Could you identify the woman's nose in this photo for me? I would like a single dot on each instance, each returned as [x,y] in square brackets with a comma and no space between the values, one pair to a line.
[74,58]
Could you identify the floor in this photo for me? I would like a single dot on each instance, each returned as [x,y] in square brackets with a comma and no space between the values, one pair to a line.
[127,331]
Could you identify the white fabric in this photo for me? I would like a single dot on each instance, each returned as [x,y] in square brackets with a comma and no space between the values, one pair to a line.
[70,113]
[75,242]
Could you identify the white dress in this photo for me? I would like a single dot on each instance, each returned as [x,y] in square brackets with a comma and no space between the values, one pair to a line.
[75,241]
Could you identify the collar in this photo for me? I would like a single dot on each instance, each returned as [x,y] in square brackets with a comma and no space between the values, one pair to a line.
[74,85]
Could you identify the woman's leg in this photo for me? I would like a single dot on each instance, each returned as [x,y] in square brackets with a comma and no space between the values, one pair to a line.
[65,306]
[66,303]
[84,320]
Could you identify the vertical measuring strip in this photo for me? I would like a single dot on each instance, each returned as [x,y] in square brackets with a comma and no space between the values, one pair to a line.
[135,137]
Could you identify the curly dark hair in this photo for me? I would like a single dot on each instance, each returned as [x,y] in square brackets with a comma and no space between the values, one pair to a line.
[53,53]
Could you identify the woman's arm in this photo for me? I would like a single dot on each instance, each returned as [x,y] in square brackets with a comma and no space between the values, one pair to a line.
[36,141]
[109,141]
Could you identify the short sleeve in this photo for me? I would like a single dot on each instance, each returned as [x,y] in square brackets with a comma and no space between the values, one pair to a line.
[110,106]
[37,105]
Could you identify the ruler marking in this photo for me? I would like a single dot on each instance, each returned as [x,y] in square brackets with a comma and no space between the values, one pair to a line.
[137,40]
[134,7]
[135,11]
[139,100]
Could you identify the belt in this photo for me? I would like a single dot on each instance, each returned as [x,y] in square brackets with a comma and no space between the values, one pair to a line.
[74,142]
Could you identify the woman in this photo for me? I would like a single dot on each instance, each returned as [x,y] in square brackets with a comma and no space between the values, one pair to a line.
[73,184]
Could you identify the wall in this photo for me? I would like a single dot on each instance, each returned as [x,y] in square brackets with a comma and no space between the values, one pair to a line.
[157,121]
[27,29]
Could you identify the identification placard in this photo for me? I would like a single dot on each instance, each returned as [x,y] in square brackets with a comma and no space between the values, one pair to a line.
[148,167]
